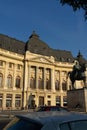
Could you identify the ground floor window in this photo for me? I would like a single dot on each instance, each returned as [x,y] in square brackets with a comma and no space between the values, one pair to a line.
[17,103]
[18,100]
[58,100]
[65,101]
[8,103]
[9,100]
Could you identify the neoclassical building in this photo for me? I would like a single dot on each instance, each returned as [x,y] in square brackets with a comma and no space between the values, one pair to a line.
[32,73]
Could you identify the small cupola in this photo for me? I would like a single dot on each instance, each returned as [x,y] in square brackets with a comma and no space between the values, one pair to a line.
[34,35]
[80,59]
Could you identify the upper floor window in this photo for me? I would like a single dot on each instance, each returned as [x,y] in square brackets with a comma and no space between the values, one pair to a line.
[40,69]
[32,83]
[48,71]
[63,73]
[40,83]
[18,66]
[1,63]
[33,69]
[64,85]
[10,65]
[57,87]
[68,59]
[48,84]
[9,81]
[17,84]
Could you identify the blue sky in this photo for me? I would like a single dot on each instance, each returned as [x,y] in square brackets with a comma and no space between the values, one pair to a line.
[57,25]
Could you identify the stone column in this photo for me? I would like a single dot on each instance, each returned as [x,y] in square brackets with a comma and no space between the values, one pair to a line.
[52,80]
[36,77]
[62,100]
[14,77]
[67,79]
[29,71]
[60,81]
[4,101]
[37,99]
[13,101]
[25,76]
[6,74]
[24,100]
[44,78]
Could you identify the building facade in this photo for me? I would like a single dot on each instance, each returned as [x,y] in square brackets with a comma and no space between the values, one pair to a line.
[32,74]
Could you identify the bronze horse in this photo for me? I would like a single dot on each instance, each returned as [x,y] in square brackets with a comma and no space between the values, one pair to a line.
[78,74]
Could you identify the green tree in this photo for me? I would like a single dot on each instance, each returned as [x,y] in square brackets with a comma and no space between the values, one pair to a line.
[76,4]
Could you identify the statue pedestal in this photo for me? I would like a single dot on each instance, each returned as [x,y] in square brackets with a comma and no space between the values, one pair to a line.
[77,99]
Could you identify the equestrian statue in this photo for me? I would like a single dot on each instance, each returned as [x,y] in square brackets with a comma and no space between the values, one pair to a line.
[78,72]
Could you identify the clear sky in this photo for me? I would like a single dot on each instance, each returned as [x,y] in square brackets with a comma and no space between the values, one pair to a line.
[58,26]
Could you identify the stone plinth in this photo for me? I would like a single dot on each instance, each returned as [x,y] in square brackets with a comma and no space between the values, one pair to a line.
[77,99]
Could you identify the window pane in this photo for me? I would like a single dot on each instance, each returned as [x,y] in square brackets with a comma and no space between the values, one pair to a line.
[9,81]
[75,125]
[18,82]
[17,103]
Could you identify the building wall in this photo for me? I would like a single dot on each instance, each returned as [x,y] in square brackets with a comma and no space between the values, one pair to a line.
[11,69]
[32,80]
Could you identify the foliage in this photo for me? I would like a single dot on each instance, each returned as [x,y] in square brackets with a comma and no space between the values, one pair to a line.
[76,4]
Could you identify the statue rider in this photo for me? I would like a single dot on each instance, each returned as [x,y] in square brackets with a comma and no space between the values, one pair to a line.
[76,68]
[79,68]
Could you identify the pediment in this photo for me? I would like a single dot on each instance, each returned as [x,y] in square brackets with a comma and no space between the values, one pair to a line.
[42,60]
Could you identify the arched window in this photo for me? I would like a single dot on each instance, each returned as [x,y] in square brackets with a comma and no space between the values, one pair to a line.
[1,79]
[18,80]
[9,81]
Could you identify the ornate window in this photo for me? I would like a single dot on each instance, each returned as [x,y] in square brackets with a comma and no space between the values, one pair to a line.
[18,100]
[18,80]
[32,83]
[1,79]
[58,100]
[64,85]
[9,81]
[18,67]
[9,100]
[10,65]
[40,83]
[1,63]
[48,84]
[57,87]
[65,101]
